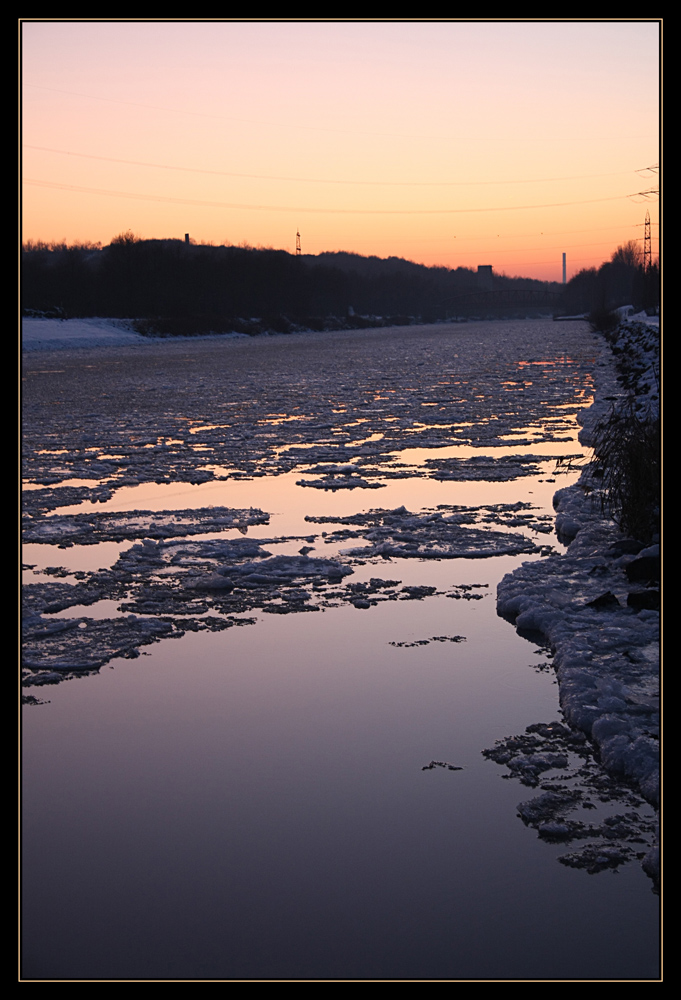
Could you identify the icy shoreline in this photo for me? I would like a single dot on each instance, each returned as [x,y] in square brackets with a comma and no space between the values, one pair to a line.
[591,604]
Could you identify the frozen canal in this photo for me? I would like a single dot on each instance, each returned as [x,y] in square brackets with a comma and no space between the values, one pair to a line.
[260,603]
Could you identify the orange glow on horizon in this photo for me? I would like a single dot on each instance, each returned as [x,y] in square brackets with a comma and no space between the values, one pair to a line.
[447,143]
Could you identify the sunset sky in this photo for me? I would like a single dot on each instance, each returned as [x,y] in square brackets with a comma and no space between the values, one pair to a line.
[449,143]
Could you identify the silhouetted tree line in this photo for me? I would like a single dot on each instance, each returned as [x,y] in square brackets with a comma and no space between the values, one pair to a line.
[171,286]
[623,280]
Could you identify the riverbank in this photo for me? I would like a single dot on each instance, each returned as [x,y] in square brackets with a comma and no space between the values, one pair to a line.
[597,605]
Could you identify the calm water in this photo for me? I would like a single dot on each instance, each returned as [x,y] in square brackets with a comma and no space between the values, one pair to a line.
[251,803]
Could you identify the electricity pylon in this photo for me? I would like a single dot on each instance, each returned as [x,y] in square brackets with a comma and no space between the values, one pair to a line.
[647,244]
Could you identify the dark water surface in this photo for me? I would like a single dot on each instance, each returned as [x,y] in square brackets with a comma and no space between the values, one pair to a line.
[252,804]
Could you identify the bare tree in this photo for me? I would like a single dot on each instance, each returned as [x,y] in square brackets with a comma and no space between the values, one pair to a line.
[629,253]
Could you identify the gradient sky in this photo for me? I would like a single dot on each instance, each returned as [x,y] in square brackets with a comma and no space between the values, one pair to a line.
[451,143]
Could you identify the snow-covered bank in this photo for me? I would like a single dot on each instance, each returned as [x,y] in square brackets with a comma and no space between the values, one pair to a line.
[597,605]
[58,334]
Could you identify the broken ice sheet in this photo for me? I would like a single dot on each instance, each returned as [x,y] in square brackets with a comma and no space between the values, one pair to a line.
[180,583]
[426,642]
[577,797]
[433,534]
[92,528]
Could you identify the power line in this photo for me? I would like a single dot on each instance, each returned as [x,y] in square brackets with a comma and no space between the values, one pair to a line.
[511,236]
[316,211]
[646,195]
[491,250]
[319,180]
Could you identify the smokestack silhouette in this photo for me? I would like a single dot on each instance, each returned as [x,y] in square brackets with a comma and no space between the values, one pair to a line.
[564,269]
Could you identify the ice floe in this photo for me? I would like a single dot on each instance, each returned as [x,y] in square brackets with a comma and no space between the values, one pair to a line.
[92,528]
[443,533]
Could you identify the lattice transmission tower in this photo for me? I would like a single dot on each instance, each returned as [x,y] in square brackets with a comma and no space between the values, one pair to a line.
[647,244]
